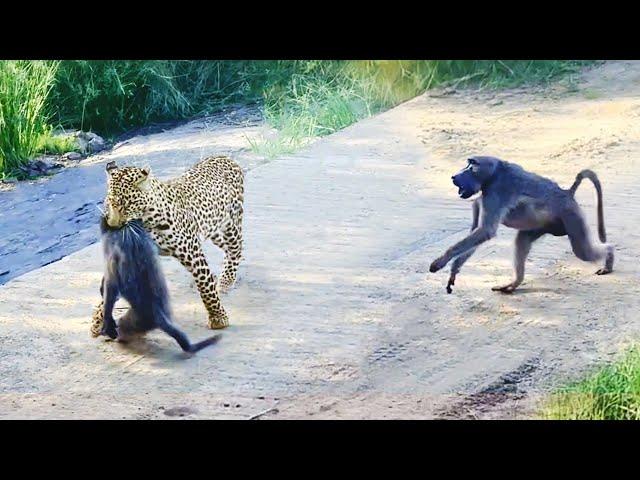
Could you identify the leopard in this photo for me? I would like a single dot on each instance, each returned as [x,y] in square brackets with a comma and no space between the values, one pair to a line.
[204,203]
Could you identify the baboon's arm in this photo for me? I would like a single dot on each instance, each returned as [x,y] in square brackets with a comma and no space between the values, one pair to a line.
[460,260]
[492,213]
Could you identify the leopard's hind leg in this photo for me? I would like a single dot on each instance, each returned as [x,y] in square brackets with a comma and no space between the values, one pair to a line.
[229,239]
[97,320]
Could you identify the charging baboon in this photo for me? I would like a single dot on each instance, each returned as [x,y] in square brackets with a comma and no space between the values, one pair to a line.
[531,204]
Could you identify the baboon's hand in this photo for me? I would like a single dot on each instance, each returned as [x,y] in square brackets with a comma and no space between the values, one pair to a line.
[438,264]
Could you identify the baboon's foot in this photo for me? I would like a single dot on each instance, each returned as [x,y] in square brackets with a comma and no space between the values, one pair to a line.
[451,283]
[110,332]
[604,271]
[219,321]
[126,335]
[124,339]
[506,288]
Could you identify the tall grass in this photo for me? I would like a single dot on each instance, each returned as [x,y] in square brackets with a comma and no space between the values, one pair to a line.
[48,143]
[611,393]
[302,99]
[308,97]
[114,95]
[24,86]
[327,96]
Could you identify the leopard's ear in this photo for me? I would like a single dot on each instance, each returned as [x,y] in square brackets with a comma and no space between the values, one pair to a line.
[143,184]
[110,167]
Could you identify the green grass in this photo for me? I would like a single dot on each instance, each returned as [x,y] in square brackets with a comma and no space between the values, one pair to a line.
[24,86]
[591,94]
[611,393]
[280,143]
[302,99]
[328,96]
[309,97]
[112,96]
[56,144]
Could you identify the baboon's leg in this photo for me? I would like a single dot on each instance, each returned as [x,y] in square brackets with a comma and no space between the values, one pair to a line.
[524,240]
[230,241]
[205,280]
[126,325]
[581,243]
[109,300]
[459,261]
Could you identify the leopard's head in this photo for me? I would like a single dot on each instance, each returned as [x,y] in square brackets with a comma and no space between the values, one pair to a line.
[127,193]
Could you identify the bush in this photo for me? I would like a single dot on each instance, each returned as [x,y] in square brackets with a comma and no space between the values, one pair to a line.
[24,86]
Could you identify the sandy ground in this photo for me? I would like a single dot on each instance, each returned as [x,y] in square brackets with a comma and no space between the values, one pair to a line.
[335,314]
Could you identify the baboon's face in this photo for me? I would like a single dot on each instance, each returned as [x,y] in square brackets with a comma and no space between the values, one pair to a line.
[477,173]
[126,199]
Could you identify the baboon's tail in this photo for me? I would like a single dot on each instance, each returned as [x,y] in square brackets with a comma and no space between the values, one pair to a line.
[596,183]
[205,343]
[183,340]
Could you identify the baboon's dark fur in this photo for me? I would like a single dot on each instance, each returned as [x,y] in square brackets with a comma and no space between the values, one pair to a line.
[529,203]
[133,272]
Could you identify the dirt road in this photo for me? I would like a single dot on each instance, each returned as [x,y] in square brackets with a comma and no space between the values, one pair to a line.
[335,314]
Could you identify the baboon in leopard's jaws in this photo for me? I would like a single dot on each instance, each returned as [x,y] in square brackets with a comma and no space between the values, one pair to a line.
[133,272]
[531,204]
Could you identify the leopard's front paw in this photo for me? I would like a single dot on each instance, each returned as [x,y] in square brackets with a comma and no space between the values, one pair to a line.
[218,321]
[96,323]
